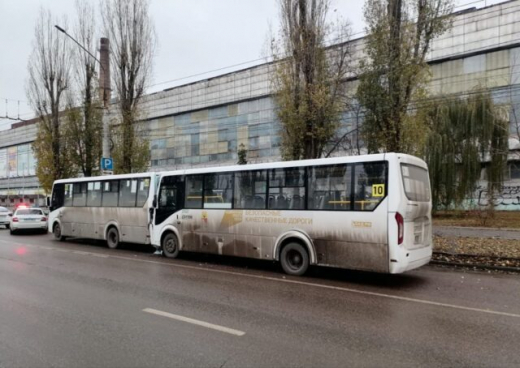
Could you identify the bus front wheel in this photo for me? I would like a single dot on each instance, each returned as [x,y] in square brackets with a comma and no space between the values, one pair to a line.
[56,230]
[113,238]
[170,246]
[294,259]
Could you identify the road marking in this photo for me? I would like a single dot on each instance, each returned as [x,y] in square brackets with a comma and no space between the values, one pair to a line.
[195,322]
[323,286]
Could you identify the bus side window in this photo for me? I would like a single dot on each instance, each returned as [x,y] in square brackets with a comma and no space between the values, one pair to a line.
[251,189]
[69,191]
[127,192]
[330,187]
[110,193]
[80,194]
[287,188]
[218,190]
[143,191]
[94,194]
[367,177]
[193,191]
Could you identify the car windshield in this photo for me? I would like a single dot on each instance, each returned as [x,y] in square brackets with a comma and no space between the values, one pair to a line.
[29,212]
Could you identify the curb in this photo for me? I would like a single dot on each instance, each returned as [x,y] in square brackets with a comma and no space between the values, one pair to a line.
[476,228]
[474,255]
[476,266]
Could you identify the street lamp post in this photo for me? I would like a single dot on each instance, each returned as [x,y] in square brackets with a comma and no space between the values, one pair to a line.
[104,83]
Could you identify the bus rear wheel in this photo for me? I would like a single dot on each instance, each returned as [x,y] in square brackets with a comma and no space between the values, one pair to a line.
[170,246]
[113,238]
[294,259]
[56,231]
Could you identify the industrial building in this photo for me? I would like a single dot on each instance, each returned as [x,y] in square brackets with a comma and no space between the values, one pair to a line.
[203,123]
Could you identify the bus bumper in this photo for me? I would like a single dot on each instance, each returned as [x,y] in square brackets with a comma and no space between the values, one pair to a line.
[410,259]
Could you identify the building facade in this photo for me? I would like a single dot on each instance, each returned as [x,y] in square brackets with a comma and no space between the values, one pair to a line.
[203,123]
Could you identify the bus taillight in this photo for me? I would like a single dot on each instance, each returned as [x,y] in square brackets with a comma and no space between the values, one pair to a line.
[400,227]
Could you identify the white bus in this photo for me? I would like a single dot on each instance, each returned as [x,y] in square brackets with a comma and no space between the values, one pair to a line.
[369,212]
[116,208]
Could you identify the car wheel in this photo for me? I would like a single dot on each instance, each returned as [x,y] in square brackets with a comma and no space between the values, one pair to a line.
[170,246]
[113,238]
[7,226]
[294,259]
[56,230]
[11,231]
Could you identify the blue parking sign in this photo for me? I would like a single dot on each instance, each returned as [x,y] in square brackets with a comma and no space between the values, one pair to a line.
[107,163]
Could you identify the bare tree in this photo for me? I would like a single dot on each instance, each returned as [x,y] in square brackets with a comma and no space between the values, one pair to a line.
[49,80]
[130,29]
[395,72]
[308,78]
[84,125]
[349,142]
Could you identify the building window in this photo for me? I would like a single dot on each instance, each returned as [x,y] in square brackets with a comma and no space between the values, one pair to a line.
[514,169]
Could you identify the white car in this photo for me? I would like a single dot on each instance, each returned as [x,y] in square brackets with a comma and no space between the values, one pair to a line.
[28,218]
[4,217]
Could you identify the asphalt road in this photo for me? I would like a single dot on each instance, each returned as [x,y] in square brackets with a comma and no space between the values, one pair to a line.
[75,304]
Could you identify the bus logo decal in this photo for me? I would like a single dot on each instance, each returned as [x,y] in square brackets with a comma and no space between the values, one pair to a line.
[231,218]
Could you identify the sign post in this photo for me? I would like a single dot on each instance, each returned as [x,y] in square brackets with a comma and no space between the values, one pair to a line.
[107,165]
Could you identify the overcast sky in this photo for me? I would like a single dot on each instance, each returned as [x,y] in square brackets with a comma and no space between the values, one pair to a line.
[195,37]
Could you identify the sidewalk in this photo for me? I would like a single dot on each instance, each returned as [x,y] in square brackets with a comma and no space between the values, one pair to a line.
[476,232]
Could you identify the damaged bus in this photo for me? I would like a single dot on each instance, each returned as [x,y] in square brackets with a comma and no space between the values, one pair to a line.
[370,212]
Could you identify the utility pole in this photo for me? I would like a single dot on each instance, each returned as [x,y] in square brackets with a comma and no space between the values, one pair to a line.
[104,89]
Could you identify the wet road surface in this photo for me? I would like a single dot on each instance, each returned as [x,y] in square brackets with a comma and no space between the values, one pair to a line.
[80,304]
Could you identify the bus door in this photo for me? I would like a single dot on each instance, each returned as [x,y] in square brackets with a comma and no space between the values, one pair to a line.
[170,202]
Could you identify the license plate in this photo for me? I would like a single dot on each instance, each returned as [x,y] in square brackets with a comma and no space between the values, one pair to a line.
[30,219]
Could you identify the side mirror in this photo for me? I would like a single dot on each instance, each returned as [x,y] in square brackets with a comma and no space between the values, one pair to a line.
[154,202]
[48,201]
[10,215]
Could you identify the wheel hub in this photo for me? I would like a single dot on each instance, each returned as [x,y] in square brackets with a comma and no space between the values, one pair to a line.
[170,246]
[295,259]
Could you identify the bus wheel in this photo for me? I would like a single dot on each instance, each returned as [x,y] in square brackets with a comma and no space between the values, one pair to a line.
[170,246]
[112,238]
[294,259]
[56,230]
